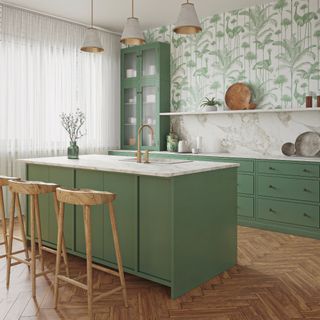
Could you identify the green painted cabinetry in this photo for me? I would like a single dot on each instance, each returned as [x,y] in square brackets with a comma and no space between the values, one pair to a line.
[278,195]
[178,231]
[61,176]
[145,92]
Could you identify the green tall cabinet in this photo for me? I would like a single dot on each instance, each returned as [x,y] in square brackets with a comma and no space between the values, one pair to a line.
[145,92]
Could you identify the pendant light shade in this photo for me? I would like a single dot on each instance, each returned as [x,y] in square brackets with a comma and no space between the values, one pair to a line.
[132,34]
[188,21]
[92,41]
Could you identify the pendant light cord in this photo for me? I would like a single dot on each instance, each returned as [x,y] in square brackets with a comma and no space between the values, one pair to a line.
[132,8]
[91,13]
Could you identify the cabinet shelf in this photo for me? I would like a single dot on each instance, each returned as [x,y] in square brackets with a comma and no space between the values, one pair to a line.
[196,113]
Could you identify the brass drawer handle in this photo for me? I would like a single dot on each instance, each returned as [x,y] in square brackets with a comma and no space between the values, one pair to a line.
[306,215]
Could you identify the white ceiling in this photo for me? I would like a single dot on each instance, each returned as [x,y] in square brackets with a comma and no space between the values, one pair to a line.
[111,14]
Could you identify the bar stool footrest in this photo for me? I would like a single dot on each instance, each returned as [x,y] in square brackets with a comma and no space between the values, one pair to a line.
[106,294]
[73,282]
[104,269]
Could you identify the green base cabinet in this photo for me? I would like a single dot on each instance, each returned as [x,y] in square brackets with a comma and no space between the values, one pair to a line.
[61,176]
[179,231]
[276,195]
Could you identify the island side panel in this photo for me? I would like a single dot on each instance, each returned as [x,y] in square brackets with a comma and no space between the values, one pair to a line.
[204,227]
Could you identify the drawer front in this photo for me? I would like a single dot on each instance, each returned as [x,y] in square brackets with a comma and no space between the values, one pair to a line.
[295,189]
[245,183]
[290,169]
[286,212]
[245,207]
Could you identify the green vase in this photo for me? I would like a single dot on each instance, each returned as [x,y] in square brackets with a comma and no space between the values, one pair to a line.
[73,151]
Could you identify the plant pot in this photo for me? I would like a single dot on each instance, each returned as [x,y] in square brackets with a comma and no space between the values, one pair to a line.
[73,151]
[210,108]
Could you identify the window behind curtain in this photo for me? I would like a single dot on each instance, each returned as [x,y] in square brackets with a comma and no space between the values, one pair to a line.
[43,73]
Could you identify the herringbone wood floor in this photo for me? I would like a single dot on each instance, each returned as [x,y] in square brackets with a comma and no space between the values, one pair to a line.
[277,277]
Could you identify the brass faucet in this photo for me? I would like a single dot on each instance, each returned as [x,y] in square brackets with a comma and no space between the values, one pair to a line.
[139,153]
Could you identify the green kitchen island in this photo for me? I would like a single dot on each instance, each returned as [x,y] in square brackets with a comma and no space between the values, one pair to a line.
[177,220]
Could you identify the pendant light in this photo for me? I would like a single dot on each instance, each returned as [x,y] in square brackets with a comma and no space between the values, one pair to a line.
[188,21]
[132,34]
[92,41]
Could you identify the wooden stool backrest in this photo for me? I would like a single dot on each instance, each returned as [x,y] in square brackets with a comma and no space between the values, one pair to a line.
[4,180]
[84,197]
[32,187]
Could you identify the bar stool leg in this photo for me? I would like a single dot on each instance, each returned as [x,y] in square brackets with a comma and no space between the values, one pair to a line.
[11,225]
[87,227]
[64,250]
[33,245]
[58,257]
[4,223]
[118,254]
[39,232]
[23,233]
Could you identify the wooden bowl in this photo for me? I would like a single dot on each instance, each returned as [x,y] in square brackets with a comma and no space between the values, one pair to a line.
[238,97]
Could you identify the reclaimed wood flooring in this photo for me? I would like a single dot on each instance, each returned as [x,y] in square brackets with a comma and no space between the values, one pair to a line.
[277,278]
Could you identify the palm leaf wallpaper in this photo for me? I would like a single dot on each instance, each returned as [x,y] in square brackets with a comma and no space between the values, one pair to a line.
[273,47]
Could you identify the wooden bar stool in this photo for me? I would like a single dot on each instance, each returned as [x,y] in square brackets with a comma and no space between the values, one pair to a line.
[88,198]
[4,182]
[32,189]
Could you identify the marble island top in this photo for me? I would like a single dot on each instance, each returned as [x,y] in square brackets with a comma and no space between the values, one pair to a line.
[121,165]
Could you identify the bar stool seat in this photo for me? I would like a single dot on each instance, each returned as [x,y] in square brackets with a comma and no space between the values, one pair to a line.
[4,182]
[32,189]
[88,198]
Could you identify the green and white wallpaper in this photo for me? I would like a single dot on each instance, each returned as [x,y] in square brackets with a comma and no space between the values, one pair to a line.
[275,48]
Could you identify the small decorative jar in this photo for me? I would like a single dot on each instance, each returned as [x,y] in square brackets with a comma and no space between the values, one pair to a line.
[73,150]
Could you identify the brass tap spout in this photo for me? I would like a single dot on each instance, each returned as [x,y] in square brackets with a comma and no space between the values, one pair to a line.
[139,154]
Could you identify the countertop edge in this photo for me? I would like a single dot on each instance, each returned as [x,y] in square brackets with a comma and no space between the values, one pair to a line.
[37,161]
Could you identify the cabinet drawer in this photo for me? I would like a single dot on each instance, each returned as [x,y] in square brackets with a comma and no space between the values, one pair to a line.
[245,165]
[290,169]
[245,183]
[287,212]
[245,207]
[296,189]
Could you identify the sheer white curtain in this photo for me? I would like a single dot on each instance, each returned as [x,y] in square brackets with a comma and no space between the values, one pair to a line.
[43,73]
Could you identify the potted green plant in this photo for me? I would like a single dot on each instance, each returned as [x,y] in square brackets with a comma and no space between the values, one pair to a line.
[73,123]
[210,104]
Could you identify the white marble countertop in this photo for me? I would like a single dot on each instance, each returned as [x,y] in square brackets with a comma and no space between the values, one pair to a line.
[235,155]
[117,164]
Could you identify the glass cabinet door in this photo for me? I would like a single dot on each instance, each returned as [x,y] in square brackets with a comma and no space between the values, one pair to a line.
[149,102]
[130,65]
[130,117]
[149,65]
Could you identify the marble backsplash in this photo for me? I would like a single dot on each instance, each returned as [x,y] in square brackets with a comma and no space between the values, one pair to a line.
[252,133]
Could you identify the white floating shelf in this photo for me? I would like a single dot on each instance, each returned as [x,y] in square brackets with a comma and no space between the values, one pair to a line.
[199,113]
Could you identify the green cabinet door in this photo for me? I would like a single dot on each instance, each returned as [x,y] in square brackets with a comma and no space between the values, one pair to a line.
[65,178]
[155,227]
[125,186]
[40,173]
[89,179]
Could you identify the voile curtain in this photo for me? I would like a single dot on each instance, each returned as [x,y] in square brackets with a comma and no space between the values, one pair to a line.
[43,73]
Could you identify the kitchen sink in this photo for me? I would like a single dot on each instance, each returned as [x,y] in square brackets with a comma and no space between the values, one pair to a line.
[158,161]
